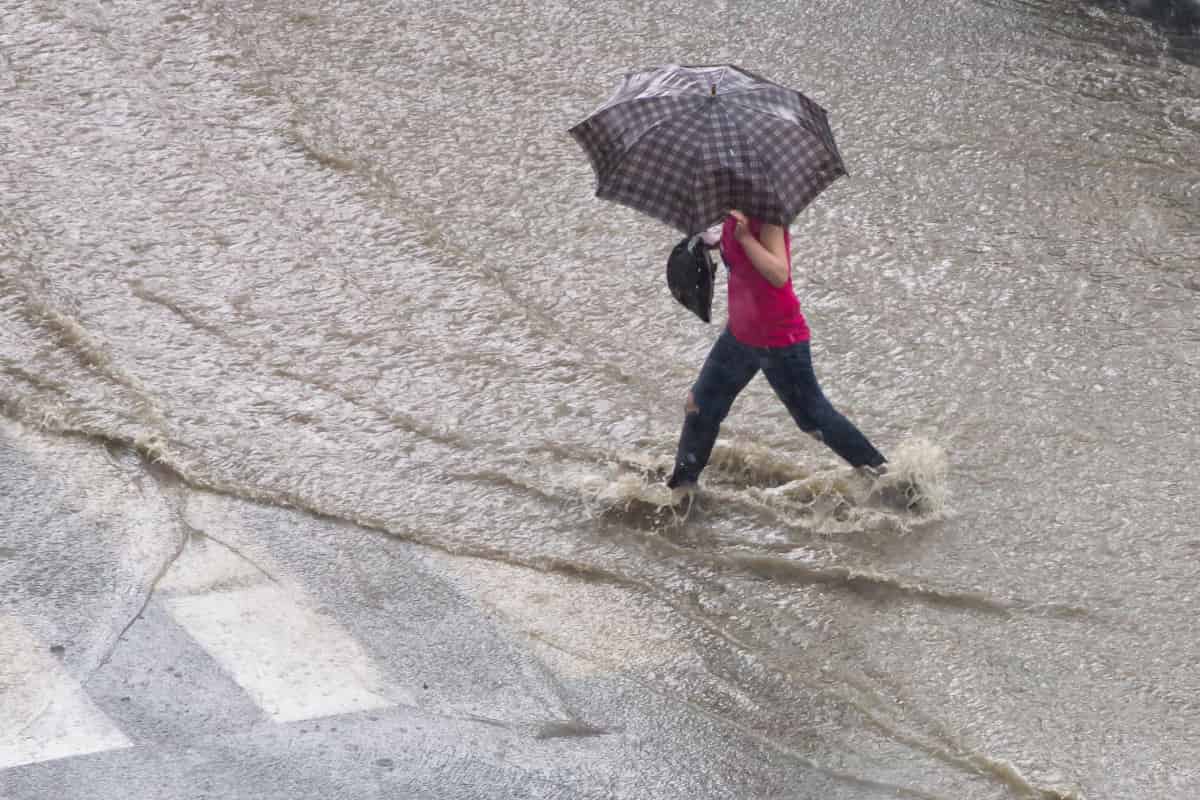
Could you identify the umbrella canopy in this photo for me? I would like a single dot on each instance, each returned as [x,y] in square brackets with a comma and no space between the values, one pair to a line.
[685,144]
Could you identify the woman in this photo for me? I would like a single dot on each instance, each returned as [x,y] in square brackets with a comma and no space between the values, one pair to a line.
[766,329]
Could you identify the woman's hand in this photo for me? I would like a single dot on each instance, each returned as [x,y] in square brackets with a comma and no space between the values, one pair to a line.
[743,225]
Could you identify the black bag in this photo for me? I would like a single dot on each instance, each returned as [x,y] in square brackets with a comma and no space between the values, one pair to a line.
[691,275]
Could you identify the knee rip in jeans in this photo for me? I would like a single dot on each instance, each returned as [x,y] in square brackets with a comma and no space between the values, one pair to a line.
[690,406]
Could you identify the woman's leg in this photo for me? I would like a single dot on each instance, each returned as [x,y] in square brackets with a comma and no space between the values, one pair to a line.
[790,373]
[729,367]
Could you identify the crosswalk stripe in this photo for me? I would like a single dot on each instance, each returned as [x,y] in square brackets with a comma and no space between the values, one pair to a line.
[294,663]
[44,712]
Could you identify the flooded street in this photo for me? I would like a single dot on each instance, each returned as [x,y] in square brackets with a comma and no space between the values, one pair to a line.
[310,310]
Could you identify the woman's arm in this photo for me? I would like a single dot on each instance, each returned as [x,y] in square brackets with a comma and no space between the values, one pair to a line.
[769,256]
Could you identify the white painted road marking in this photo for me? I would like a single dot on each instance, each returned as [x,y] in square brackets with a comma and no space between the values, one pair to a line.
[44,712]
[294,663]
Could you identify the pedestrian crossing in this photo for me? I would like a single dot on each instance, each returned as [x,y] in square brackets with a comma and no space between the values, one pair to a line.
[293,662]
[257,647]
[274,643]
[272,668]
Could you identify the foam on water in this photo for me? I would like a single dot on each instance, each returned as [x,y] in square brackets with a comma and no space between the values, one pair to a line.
[747,476]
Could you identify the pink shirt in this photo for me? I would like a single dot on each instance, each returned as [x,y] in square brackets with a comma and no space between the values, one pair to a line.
[760,315]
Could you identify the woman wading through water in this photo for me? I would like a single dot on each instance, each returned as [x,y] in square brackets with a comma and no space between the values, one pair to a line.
[766,330]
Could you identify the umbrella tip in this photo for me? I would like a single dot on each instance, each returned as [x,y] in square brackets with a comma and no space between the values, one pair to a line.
[713,90]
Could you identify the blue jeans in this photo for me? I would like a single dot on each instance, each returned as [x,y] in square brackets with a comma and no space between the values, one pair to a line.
[729,367]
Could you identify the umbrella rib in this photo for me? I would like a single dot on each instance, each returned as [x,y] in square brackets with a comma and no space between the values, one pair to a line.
[770,177]
[696,176]
[804,123]
[620,159]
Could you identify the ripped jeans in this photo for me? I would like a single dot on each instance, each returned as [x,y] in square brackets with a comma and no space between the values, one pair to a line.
[729,367]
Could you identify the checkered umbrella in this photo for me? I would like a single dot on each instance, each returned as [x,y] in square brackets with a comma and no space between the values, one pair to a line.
[686,144]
